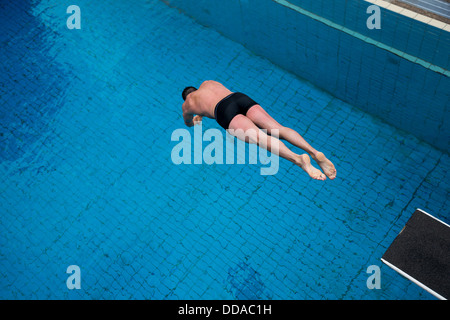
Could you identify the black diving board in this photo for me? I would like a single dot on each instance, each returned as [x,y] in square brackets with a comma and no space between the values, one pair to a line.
[421,253]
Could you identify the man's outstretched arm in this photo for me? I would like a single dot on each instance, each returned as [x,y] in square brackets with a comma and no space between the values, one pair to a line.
[191,120]
[187,116]
[188,119]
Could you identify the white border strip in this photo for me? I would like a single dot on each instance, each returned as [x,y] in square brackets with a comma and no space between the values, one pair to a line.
[420,284]
[433,217]
[411,14]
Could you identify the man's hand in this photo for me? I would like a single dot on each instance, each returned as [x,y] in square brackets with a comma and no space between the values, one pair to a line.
[197,120]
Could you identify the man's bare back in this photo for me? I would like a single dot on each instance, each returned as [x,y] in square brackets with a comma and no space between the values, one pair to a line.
[203,101]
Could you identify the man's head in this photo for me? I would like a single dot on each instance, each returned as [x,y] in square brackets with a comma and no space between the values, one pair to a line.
[186,91]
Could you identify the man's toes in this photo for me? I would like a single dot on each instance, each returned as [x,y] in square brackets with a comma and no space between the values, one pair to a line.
[320,176]
[332,174]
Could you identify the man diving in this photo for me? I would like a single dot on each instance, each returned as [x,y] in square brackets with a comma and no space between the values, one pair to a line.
[244,118]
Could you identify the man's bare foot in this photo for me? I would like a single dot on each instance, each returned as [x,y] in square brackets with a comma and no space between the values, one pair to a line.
[326,165]
[304,162]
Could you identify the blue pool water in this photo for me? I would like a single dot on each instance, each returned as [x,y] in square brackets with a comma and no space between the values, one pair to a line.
[86,178]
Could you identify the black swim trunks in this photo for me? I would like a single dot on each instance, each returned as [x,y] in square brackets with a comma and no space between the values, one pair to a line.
[230,106]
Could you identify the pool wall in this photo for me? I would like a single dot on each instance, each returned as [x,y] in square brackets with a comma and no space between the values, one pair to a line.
[399,73]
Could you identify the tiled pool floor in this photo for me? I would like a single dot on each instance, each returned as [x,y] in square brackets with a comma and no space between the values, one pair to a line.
[86,178]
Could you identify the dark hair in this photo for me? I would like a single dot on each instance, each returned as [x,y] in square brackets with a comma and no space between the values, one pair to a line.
[186,91]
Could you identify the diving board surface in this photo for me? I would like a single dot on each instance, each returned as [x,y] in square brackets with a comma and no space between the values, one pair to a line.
[421,253]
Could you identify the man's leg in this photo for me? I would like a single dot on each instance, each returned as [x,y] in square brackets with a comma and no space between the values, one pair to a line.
[244,129]
[264,121]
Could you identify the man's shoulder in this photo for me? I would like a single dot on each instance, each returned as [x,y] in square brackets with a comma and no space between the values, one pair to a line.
[208,83]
